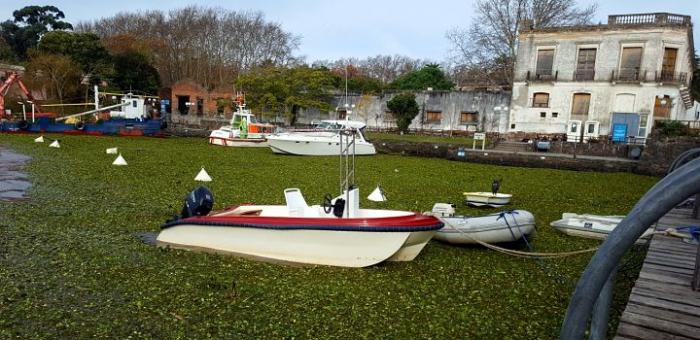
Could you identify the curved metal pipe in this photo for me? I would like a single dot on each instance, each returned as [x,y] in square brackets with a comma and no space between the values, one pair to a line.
[683,158]
[664,196]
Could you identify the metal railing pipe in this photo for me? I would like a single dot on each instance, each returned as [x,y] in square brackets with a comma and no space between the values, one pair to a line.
[664,196]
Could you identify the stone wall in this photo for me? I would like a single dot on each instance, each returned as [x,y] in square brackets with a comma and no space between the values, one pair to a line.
[661,151]
[448,151]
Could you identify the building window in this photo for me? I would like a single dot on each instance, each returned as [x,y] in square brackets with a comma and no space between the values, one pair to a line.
[543,114]
[540,99]
[630,63]
[183,104]
[662,107]
[545,60]
[433,116]
[555,114]
[389,117]
[643,125]
[469,117]
[512,126]
[668,68]
[580,104]
[200,106]
[585,65]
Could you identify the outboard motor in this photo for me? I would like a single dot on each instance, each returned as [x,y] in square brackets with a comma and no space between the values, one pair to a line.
[199,202]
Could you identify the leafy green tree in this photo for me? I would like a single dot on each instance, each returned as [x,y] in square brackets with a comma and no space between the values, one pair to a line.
[85,49]
[135,73]
[404,108]
[29,25]
[428,76]
[282,90]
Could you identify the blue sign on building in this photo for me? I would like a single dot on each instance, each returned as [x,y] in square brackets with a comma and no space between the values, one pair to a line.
[619,132]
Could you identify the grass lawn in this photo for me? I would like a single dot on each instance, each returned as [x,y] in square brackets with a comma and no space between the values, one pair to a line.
[71,265]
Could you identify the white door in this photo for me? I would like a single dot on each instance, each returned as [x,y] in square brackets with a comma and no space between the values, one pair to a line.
[573,131]
[591,130]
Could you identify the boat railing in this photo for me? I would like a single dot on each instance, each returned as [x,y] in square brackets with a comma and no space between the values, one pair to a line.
[593,293]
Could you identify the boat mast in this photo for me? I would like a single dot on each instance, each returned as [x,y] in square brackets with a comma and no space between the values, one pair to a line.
[347,163]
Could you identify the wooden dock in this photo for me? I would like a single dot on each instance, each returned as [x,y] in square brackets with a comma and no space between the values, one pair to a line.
[663,304]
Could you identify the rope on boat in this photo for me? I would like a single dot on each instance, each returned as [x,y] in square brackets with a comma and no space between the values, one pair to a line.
[524,254]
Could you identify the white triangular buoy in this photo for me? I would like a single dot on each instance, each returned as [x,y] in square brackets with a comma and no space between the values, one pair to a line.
[119,161]
[377,195]
[39,139]
[202,176]
[55,144]
[112,151]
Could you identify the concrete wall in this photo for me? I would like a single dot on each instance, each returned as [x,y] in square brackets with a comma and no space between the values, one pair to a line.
[492,108]
[605,91]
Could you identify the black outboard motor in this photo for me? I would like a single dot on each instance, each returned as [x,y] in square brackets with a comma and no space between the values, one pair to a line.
[199,202]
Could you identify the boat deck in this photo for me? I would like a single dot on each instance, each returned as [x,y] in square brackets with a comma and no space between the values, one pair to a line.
[663,304]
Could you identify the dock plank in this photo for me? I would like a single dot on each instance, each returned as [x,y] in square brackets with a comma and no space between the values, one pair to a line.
[662,304]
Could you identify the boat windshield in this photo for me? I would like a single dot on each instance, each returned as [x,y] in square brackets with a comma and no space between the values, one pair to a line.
[329,126]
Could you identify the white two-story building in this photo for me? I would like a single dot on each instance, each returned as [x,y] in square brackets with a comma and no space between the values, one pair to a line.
[603,81]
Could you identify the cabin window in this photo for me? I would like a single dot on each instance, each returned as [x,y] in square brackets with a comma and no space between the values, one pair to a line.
[540,99]
[134,103]
[466,117]
[434,116]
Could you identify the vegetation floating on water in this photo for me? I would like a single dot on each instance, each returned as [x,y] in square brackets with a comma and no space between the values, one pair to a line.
[71,264]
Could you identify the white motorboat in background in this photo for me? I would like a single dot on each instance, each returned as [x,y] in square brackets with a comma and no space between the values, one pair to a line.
[592,226]
[322,141]
[506,226]
[479,199]
[245,129]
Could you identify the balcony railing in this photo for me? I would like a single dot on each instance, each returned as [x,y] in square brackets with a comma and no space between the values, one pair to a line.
[616,75]
[649,19]
[630,75]
[542,75]
[584,75]
[672,77]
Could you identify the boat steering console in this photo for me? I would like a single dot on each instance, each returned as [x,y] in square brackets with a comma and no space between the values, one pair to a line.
[337,208]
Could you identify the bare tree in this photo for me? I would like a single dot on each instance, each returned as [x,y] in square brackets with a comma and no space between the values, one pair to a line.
[209,45]
[491,41]
[385,68]
[57,71]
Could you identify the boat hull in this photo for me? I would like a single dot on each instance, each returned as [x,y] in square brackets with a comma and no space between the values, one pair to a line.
[347,242]
[324,147]
[480,199]
[592,226]
[490,229]
[239,142]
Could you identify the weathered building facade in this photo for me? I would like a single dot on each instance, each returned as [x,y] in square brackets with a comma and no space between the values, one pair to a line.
[603,81]
[190,102]
[439,110]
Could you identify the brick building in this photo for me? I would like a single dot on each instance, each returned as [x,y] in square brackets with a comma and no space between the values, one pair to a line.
[188,98]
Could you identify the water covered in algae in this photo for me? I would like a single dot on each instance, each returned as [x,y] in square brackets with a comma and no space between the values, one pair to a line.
[71,265]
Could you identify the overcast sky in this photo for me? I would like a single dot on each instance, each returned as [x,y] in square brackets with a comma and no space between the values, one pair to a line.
[360,28]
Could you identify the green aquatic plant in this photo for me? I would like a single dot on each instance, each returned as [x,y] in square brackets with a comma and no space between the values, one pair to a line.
[72,266]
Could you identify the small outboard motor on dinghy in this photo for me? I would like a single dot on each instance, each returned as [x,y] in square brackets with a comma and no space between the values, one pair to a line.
[199,202]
